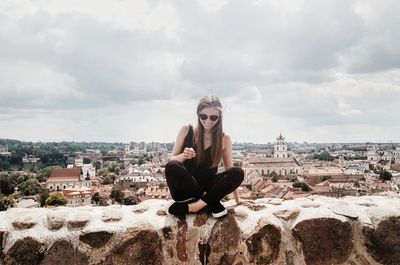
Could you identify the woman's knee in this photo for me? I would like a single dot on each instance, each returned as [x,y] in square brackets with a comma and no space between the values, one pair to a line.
[173,166]
[237,173]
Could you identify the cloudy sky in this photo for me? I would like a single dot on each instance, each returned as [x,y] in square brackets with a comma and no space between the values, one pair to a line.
[97,70]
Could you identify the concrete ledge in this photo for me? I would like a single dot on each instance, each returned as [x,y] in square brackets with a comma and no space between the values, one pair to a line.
[313,230]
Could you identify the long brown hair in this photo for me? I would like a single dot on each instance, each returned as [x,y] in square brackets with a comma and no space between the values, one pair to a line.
[216,132]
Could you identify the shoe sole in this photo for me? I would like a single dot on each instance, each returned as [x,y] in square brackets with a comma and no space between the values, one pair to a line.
[220,214]
[187,200]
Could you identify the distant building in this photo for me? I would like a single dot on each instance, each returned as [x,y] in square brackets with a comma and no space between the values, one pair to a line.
[281,166]
[78,196]
[4,151]
[29,159]
[63,178]
[280,149]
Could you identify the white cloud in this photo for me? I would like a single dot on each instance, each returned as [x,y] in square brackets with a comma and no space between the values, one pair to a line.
[317,71]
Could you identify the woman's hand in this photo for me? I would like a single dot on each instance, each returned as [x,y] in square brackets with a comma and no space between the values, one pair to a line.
[188,153]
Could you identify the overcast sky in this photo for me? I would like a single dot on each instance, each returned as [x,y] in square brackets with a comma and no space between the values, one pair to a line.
[96,70]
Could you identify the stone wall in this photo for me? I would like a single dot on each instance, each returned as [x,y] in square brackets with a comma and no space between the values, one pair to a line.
[315,230]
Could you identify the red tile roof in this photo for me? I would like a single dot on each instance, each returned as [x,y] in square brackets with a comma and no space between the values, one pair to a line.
[64,174]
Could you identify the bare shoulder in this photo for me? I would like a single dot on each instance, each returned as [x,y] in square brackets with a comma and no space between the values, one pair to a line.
[227,139]
[184,129]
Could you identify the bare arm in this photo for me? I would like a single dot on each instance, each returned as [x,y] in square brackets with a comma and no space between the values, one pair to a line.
[176,152]
[227,158]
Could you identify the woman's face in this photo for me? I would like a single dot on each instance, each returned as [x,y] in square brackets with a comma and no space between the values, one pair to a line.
[209,117]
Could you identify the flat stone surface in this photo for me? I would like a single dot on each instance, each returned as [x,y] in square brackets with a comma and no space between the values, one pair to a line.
[287,214]
[240,213]
[111,215]
[140,209]
[345,210]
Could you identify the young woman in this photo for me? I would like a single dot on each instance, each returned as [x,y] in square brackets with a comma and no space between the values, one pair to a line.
[191,173]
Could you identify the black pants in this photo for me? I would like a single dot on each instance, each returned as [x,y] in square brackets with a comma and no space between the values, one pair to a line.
[182,185]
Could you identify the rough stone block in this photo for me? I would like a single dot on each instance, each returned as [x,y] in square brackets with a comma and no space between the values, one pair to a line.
[96,239]
[324,240]
[63,252]
[383,242]
[263,246]
[140,246]
[26,251]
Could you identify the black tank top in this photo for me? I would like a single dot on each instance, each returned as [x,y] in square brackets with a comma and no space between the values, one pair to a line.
[205,169]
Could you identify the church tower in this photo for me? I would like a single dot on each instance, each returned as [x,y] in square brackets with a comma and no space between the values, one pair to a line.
[280,150]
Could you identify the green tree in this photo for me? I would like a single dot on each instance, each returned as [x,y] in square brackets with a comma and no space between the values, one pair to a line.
[30,187]
[106,180]
[4,164]
[5,202]
[7,184]
[86,160]
[274,176]
[326,178]
[56,198]
[385,175]
[96,197]
[130,200]
[44,194]
[117,194]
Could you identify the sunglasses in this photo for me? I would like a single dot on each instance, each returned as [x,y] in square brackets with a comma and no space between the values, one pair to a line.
[204,117]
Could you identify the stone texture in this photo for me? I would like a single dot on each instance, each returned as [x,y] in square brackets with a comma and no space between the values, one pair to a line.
[240,213]
[167,233]
[287,214]
[111,216]
[383,243]
[182,238]
[96,239]
[55,221]
[284,234]
[201,219]
[161,212]
[141,246]
[23,223]
[26,251]
[2,239]
[255,207]
[263,245]
[140,209]
[289,255]
[224,241]
[324,240]
[63,252]
[76,224]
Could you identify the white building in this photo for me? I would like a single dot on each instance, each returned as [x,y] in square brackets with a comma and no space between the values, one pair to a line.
[280,149]
[63,178]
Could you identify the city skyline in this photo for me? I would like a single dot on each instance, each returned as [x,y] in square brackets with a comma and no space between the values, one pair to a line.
[100,71]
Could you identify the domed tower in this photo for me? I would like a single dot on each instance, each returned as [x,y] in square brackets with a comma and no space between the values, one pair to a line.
[280,150]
